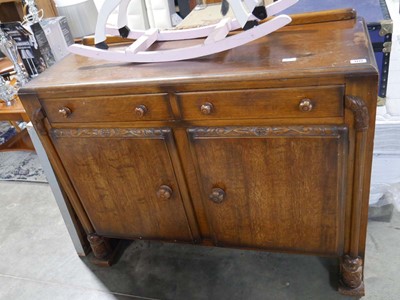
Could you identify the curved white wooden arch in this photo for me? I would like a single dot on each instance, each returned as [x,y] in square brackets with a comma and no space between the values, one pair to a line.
[217,39]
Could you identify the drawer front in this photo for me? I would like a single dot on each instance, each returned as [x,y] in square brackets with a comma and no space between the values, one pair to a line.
[266,103]
[109,109]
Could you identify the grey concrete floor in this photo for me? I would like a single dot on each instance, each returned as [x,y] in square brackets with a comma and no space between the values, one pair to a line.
[38,261]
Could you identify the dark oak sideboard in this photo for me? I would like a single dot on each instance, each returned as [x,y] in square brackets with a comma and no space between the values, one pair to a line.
[267,146]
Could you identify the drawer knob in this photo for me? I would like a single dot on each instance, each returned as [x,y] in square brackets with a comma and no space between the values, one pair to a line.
[217,195]
[65,111]
[164,192]
[305,105]
[207,108]
[140,111]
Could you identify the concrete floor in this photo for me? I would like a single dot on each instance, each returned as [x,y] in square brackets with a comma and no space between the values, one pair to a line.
[38,261]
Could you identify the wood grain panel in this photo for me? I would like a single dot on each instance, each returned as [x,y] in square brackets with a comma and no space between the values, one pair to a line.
[320,57]
[110,172]
[284,186]
[109,108]
[271,103]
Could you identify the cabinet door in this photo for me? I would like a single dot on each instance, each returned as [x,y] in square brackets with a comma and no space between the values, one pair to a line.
[273,187]
[125,180]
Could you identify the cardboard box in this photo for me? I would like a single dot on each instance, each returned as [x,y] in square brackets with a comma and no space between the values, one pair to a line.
[58,35]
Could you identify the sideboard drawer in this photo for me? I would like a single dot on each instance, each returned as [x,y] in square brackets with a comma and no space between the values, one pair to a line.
[307,102]
[154,107]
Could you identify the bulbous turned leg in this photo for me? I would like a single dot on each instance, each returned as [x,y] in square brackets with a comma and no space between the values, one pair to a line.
[105,251]
[351,276]
[100,246]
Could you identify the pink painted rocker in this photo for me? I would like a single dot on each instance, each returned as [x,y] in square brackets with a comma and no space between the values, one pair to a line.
[247,14]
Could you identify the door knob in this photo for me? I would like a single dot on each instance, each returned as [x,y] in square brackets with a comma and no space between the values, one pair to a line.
[217,195]
[65,111]
[207,108]
[164,192]
[140,110]
[305,105]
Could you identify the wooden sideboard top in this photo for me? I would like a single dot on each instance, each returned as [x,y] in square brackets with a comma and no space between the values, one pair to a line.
[321,49]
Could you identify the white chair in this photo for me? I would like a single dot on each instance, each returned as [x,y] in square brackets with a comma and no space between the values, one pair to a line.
[137,14]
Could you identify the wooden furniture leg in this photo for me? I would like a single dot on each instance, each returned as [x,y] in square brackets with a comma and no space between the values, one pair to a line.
[14,114]
[15,125]
[105,250]
[351,276]
[21,141]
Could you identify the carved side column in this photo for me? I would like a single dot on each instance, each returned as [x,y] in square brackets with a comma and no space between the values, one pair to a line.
[351,266]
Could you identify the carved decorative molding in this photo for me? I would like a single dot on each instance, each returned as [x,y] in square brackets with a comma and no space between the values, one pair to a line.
[37,120]
[352,272]
[360,111]
[312,130]
[111,132]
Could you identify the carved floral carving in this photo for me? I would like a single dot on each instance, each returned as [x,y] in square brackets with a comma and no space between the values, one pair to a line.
[37,120]
[360,111]
[312,130]
[111,132]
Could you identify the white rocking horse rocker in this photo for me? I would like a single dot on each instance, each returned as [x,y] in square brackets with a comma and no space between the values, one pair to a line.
[247,14]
